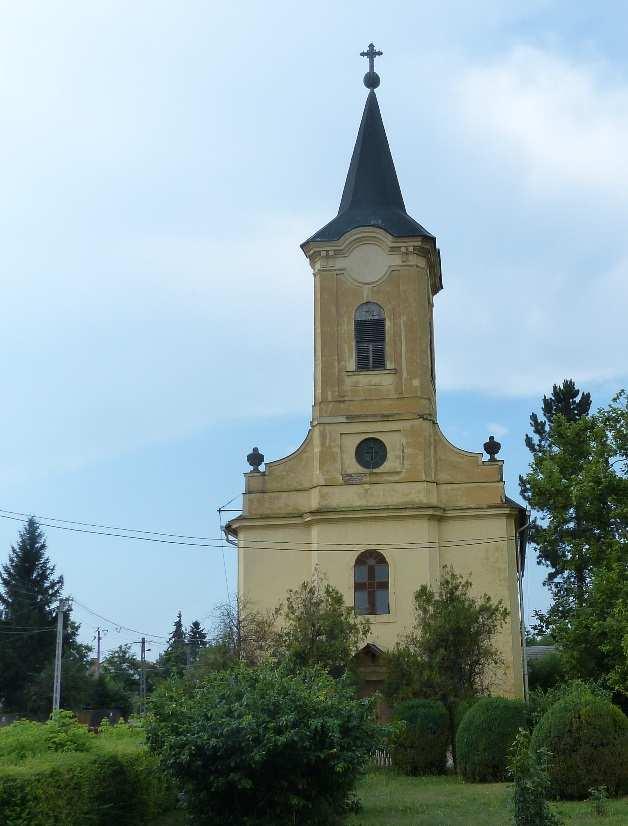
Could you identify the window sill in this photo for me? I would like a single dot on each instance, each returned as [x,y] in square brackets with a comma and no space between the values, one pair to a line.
[370,372]
[376,618]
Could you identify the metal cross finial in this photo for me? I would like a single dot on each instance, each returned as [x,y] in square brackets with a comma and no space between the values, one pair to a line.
[371,78]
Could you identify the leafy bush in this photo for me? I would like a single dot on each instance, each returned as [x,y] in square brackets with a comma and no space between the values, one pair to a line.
[460,709]
[541,701]
[530,783]
[117,783]
[419,742]
[588,738]
[485,736]
[546,672]
[24,738]
[262,746]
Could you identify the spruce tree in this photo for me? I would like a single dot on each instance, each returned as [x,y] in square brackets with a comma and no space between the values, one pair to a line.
[197,639]
[29,595]
[175,657]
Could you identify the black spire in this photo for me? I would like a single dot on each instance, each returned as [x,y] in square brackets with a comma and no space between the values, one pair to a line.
[372,196]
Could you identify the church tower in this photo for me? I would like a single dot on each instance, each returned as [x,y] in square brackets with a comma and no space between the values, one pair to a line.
[376,497]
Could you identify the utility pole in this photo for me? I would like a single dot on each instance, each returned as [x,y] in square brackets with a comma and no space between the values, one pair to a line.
[64,605]
[99,635]
[143,650]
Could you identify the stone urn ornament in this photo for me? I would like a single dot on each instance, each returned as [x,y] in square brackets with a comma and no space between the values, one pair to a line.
[492,447]
[255,459]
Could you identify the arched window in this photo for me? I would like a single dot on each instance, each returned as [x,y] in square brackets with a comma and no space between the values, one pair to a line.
[370,337]
[370,583]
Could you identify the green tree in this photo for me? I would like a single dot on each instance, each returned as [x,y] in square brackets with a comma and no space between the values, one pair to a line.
[242,634]
[449,653]
[104,692]
[196,640]
[317,628]
[122,667]
[75,682]
[29,594]
[560,529]
[174,659]
[578,486]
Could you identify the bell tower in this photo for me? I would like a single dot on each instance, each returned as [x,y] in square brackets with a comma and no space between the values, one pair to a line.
[376,272]
[376,498]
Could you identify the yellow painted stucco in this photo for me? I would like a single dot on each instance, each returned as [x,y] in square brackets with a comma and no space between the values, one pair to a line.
[430,504]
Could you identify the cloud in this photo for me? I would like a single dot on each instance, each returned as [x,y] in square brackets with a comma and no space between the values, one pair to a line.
[538,291]
[543,326]
[497,429]
[563,122]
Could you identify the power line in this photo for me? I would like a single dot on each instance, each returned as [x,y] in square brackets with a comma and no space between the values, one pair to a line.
[26,633]
[117,624]
[27,516]
[213,542]
[263,544]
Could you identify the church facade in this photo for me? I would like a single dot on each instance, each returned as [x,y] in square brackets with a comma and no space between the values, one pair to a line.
[376,497]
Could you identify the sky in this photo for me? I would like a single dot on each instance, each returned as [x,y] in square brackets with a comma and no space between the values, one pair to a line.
[161,164]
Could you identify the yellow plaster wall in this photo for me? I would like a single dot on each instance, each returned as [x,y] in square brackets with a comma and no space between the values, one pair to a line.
[429,505]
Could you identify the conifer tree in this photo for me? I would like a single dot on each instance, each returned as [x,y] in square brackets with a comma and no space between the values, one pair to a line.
[175,657]
[560,448]
[566,400]
[29,595]
[197,639]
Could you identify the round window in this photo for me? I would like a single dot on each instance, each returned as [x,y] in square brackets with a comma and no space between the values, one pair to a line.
[371,453]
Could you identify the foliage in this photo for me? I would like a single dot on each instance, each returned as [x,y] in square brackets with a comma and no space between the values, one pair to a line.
[317,628]
[25,738]
[29,595]
[122,668]
[577,485]
[530,783]
[196,640]
[485,737]
[598,795]
[419,742]
[539,701]
[243,634]
[104,692]
[594,641]
[262,745]
[174,659]
[449,653]
[460,709]
[546,671]
[75,683]
[114,782]
[588,739]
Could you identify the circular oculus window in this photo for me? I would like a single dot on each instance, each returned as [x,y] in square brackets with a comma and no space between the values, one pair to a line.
[371,453]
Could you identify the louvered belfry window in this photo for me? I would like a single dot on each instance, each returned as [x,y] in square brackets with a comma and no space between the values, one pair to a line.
[370,337]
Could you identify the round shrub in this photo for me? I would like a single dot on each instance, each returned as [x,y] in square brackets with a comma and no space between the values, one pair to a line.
[262,746]
[484,738]
[420,738]
[460,709]
[587,737]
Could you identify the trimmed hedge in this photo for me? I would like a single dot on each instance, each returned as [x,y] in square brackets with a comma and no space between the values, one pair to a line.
[587,737]
[113,783]
[419,742]
[460,709]
[485,735]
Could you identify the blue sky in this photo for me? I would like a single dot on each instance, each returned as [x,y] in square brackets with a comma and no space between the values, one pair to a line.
[161,165]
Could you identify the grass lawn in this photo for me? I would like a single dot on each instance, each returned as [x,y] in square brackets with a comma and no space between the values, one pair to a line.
[391,800]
